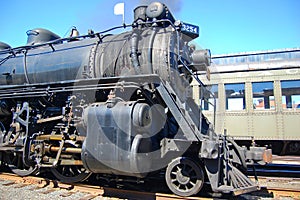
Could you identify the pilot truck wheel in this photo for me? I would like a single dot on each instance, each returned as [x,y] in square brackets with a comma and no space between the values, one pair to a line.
[184,177]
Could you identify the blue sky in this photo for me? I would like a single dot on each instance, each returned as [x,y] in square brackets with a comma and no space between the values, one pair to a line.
[226,26]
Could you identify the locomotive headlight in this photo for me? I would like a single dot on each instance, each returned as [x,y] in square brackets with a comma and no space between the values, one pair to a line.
[201,60]
[156,10]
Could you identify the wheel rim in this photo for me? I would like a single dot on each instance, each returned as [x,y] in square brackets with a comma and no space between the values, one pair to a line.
[15,161]
[70,174]
[17,166]
[184,177]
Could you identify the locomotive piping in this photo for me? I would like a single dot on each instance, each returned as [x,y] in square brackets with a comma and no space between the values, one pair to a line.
[6,58]
[133,50]
[17,50]
[25,67]
[151,40]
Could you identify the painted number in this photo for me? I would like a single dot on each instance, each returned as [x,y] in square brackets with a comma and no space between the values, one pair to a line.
[189,28]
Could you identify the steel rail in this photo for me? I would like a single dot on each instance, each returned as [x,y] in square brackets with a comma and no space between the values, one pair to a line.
[92,190]
[273,187]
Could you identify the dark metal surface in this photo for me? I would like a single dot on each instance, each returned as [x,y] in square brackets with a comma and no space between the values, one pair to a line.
[118,145]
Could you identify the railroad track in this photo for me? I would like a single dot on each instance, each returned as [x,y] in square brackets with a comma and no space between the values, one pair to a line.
[278,187]
[281,166]
[271,188]
[290,160]
[90,191]
[276,170]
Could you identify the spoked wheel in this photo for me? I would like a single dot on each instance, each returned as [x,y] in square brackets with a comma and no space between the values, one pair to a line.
[15,163]
[184,177]
[70,174]
[18,161]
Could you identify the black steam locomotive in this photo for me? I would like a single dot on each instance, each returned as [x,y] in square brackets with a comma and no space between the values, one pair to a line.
[116,105]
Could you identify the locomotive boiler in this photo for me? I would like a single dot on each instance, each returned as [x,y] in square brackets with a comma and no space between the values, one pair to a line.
[118,106]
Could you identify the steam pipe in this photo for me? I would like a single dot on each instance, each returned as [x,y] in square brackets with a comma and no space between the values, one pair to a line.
[134,49]
[25,67]
[150,48]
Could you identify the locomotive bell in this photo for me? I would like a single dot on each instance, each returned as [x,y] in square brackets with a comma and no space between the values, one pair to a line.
[74,32]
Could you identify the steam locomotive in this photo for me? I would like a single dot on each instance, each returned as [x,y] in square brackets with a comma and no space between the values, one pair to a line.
[117,106]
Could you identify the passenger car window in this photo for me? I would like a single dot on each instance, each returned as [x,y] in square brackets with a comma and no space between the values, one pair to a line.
[290,94]
[263,95]
[208,102]
[235,96]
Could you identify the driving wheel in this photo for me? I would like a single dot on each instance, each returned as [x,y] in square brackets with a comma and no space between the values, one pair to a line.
[18,161]
[70,174]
